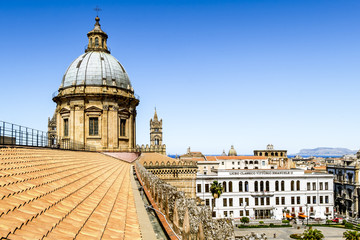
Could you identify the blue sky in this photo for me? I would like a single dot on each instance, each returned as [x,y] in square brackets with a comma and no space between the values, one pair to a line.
[220,73]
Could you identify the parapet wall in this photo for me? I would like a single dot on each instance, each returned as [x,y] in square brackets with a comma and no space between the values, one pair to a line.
[186,218]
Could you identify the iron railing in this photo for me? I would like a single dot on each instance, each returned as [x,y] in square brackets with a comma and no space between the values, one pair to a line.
[13,134]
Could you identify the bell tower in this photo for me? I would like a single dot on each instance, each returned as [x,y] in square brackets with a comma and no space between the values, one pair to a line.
[155,131]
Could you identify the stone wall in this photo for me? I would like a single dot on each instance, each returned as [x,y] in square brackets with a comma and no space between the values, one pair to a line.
[187,219]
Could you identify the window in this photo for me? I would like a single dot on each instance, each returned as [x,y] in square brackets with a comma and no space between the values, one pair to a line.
[262,201]
[277,201]
[277,186]
[240,186]
[214,214]
[231,213]
[321,199]
[293,209]
[247,201]
[308,199]
[267,186]
[261,186]
[241,201]
[102,42]
[308,186]
[222,163]
[326,186]
[199,188]
[225,213]
[90,42]
[326,199]
[233,163]
[298,200]
[224,186]
[230,202]
[256,201]
[314,186]
[283,200]
[314,199]
[246,186]
[93,126]
[256,189]
[225,202]
[230,187]
[298,185]
[300,209]
[321,186]
[292,186]
[241,213]
[122,127]
[292,200]
[206,187]
[207,202]
[96,42]
[267,201]
[247,213]
[282,186]
[238,162]
[66,127]
[327,209]
[311,209]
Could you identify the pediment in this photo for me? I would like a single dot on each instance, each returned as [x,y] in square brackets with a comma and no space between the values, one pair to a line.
[64,110]
[124,113]
[93,109]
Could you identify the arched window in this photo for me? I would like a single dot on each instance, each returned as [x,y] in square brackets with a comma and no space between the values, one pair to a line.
[91,42]
[292,186]
[298,185]
[96,42]
[261,186]
[282,186]
[224,186]
[267,186]
[230,187]
[256,162]
[240,186]
[246,186]
[266,154]
[256,188]
[246,162]
[277,186]
[156,141]
[102,43]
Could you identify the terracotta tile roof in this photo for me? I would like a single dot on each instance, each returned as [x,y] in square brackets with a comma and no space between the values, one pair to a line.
[156,157]
[235,157]
[125,156]
[55,194]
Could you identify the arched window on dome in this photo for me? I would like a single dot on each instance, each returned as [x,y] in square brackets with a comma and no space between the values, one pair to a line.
[91,43]
[102,43]
[96,42]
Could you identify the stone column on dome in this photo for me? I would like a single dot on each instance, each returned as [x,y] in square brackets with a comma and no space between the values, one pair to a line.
[105,126]
[72,123]
[113,135]
[79,123]
[131,129]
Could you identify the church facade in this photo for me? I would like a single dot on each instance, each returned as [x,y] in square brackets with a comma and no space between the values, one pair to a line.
[96,104]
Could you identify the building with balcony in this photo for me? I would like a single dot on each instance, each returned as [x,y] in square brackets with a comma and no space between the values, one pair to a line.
[269,193]
[346,185]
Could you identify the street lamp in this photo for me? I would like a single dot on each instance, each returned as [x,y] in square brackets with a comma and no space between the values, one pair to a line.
[307,211]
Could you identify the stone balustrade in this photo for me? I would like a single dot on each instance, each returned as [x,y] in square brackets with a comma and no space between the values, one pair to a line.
[188,220]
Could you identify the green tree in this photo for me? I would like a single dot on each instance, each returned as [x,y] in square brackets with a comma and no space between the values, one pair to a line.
[351,235]
[216,190]
[312,234]
[244,220]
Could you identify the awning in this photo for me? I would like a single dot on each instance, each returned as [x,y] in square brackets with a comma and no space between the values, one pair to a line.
[289,216]
[302,216]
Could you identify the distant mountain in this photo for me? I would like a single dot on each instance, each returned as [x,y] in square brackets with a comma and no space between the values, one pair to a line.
[326,151]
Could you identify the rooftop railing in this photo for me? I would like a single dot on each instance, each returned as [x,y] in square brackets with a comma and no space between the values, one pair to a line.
[13,134]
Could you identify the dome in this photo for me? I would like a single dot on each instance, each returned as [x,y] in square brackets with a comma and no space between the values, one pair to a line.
[96,68]
[232,151]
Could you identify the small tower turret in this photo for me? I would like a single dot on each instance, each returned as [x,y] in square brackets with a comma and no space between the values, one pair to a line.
[97,38]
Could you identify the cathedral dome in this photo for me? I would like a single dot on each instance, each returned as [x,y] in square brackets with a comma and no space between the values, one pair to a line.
[96,68]
[232,151]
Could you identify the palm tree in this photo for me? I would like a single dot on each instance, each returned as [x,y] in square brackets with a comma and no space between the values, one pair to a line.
[216,190]
[312,234]
[351,235]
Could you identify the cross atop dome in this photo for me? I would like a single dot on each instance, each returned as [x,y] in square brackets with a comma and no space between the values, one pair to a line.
[97,37]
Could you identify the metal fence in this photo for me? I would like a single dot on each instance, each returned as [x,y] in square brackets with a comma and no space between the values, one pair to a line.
[13,134]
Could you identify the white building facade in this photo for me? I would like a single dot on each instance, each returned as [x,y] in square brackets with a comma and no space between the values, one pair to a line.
[269,194]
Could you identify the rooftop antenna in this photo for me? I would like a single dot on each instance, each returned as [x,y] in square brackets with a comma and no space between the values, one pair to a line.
[97,9]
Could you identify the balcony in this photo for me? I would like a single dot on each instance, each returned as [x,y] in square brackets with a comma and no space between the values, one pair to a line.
[262,194]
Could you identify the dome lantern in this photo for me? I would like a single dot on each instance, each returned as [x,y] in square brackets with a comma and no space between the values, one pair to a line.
[97,38]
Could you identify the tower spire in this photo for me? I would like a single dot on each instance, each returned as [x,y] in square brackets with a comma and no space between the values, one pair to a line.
[155,116]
